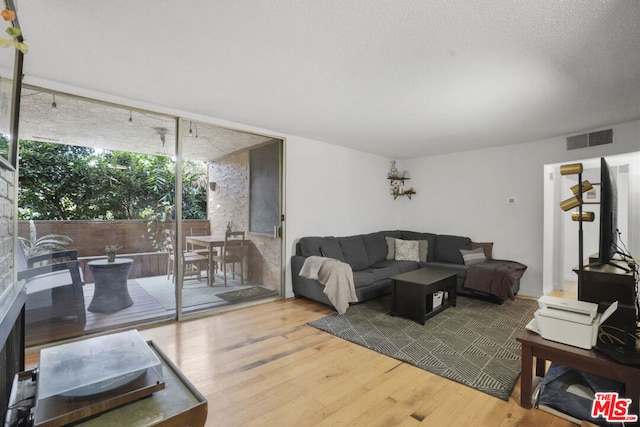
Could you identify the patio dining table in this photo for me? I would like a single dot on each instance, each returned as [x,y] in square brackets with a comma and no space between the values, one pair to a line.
[211,242]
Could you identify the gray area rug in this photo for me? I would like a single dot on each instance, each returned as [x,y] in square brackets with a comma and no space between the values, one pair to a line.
[472,344]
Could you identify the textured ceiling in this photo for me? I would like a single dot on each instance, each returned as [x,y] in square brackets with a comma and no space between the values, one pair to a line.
[396,78]
[82,122]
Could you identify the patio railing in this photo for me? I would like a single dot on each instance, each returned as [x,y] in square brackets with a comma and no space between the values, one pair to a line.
[91,237]
[145,264]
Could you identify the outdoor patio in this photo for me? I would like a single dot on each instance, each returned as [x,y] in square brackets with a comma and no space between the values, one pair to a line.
[153,301]
[141,238]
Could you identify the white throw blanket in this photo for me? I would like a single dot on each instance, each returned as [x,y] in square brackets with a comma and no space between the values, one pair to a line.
[337,278]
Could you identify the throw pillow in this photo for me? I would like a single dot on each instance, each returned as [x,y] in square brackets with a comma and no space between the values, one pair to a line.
[391,247]
[474,256]
[376,247]
[332,250]
[487,246]
[429,237]
[355,254]
[310,246]
[423,250]
[447,248]
[407,250]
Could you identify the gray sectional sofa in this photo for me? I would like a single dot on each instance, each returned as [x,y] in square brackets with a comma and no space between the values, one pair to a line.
[373,263]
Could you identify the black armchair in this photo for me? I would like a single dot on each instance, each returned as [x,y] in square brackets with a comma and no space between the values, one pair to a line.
[53,283]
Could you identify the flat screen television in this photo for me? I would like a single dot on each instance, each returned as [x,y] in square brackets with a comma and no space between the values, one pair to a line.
[608,214]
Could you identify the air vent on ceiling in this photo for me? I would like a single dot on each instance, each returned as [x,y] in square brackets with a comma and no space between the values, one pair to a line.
[592,139]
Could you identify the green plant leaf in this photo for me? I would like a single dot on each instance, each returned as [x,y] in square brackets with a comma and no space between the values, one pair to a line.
[13,31]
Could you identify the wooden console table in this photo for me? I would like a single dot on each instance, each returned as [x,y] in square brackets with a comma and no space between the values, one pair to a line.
[533,345]
[179,404]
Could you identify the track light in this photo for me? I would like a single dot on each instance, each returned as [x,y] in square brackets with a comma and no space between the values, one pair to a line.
[580,216]
[162,132]
[192,127]
[130,117]
[571,169]
[584,216]
[571,203]
[577,190]
[54,104]
[584,187]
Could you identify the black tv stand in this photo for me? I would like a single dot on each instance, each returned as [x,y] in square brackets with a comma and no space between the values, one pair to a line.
[622,264]
[607,283]
[617,265]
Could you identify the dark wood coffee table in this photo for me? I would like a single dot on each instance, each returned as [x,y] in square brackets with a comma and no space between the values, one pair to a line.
[412,292]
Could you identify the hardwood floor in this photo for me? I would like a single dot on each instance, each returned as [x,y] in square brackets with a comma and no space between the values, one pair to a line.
[144,311]
[263,365]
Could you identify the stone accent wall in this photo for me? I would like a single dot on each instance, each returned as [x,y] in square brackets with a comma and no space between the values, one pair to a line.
[265,259]
[7,200]
[230,202]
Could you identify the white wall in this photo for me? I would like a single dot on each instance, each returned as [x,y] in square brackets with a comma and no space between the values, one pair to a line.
[466,194]
[334,191]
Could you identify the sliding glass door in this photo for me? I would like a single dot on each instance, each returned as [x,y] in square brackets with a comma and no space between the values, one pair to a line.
[228,259]
[158,190]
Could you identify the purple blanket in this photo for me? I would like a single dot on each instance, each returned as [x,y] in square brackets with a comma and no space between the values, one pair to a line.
[495,277]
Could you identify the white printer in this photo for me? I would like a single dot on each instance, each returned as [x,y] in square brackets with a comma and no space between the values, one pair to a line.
[569,321]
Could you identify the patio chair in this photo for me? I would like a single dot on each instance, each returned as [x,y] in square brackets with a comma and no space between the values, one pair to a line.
[232,253]
[201,231]
[192,263]
[53,284]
